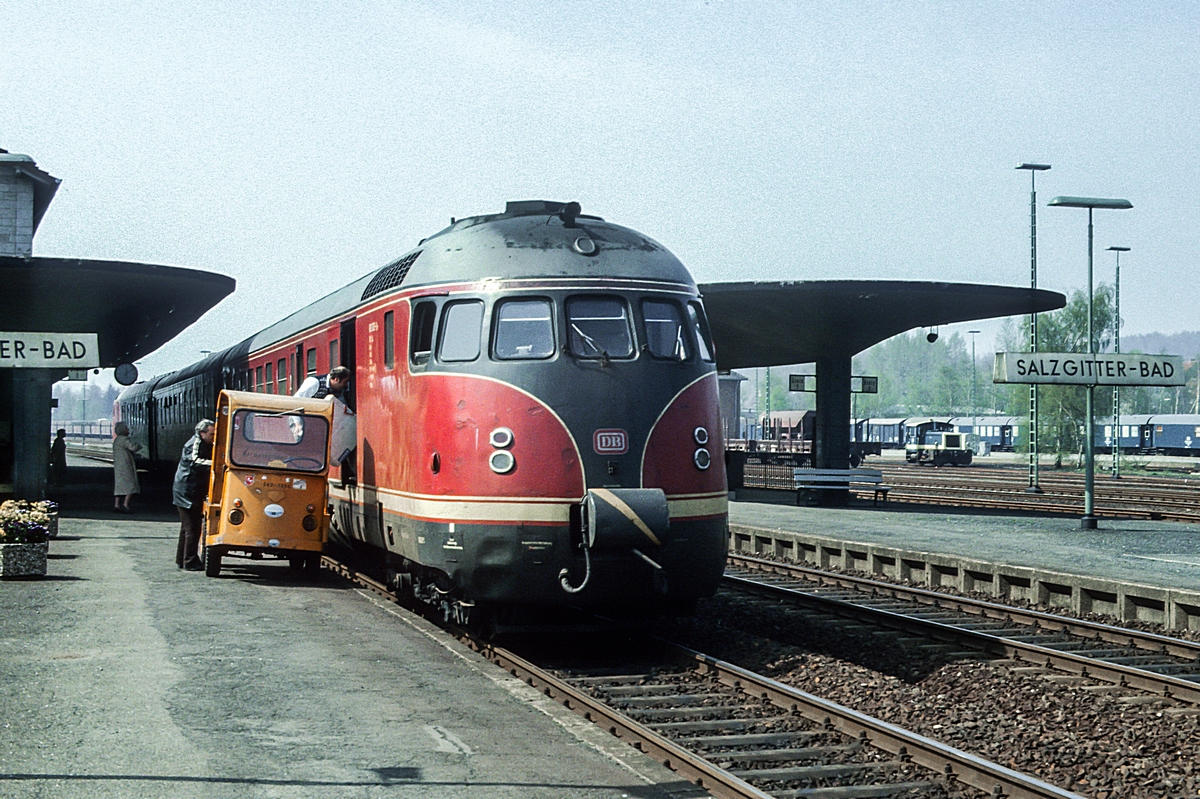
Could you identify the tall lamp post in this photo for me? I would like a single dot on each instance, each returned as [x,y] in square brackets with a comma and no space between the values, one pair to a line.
[1088,521]
[974,404]
[1116,453]
[1033,169]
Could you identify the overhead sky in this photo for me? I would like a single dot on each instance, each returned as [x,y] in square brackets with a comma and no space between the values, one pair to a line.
[297,146]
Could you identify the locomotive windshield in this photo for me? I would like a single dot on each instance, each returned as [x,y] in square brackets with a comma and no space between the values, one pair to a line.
[598,327]
[664,330]
[524,329]
[461,325]
[297,442]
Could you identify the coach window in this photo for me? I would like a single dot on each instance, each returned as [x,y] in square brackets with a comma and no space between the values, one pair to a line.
[664,330]
[421,336]
[333,355]
[270,378]
[524,329]
[462,323]
[598,327]
[389,339]
[258,379]
[311,361]
[700,326]
[281,375]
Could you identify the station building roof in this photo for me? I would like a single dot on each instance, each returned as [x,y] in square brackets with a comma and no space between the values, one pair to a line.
[44,184]
[778,323]
[135,308]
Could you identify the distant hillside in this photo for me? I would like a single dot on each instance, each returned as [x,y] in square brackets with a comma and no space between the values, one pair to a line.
[1186,344]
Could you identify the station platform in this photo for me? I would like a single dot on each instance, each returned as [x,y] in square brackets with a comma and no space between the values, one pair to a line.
[1153,553]
[123,676]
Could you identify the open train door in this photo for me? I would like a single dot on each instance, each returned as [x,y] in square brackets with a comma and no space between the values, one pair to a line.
[343,443]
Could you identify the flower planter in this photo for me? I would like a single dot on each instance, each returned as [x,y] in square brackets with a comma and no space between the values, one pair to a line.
[23,560]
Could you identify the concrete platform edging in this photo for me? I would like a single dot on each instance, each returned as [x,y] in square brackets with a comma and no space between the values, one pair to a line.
[1173,609]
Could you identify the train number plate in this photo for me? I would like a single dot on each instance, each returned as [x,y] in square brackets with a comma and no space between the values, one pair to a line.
[610,442]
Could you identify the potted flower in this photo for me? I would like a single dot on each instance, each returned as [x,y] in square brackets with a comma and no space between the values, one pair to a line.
[24,538]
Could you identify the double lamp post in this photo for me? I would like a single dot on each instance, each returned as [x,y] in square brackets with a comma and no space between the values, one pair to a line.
[1088,521]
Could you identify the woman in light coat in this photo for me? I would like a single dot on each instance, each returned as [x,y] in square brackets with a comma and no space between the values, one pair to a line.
[125,479]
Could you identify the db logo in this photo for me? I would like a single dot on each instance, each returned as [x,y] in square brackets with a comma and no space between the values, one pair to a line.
[610,442]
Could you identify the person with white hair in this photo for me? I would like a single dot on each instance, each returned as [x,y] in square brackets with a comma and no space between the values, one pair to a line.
[188,492]
[125,478]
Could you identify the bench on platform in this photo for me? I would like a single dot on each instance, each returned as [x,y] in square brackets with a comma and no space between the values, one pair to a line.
[806,479]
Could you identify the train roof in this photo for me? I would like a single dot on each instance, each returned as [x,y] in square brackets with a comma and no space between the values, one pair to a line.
[1174,418]
[1135,418]
[475,249]
[571,245]
[1000,421]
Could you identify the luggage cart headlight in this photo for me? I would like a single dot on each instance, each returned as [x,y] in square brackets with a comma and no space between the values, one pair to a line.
[309,523]
[236,516]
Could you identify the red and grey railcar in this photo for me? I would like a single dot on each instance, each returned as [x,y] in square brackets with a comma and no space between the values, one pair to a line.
[537,415]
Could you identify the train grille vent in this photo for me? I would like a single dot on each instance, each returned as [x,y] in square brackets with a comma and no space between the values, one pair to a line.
[390,276]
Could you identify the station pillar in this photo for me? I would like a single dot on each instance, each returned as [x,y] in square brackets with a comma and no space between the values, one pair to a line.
[832,433]
[31,420]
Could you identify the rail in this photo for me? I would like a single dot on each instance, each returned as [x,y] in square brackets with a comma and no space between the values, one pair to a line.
[1156,664]
[944,762]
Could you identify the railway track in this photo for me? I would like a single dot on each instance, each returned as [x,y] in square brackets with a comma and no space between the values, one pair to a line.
[1128,659]
[1170,499]
[738,734]
[996,487]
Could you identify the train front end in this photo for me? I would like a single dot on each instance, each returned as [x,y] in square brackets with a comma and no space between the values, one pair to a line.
[553,434]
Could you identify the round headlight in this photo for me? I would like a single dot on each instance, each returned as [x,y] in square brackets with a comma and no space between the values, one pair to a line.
[701,436]
[309,523]
[236,516]
[501,438]
[502,461]
[702,459]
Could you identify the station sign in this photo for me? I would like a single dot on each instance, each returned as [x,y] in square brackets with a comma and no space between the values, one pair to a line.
[802,382]
[1084,369]
[859,384]
[49,350]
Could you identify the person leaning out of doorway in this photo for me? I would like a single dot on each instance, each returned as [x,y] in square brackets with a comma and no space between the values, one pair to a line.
[343,436]
[189,491]
[125,479]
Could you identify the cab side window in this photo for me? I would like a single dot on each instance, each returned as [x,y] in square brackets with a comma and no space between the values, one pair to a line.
[598,327]
[664,330]
[462,324]
[700,327]
[421,336]
[524,329]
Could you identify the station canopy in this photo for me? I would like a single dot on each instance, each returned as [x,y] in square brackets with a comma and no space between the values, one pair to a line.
[780,323]
[135,308]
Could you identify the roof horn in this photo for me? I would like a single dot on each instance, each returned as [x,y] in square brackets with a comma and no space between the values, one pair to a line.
[569,212]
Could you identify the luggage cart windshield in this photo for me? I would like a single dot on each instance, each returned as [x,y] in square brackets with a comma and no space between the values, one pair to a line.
[279,440]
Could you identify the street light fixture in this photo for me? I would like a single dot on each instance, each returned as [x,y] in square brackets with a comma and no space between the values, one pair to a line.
[1116,453]
[1033,169]
[1088,521]
[974,405]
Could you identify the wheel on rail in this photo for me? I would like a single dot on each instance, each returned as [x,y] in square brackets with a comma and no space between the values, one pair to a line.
[212,561]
